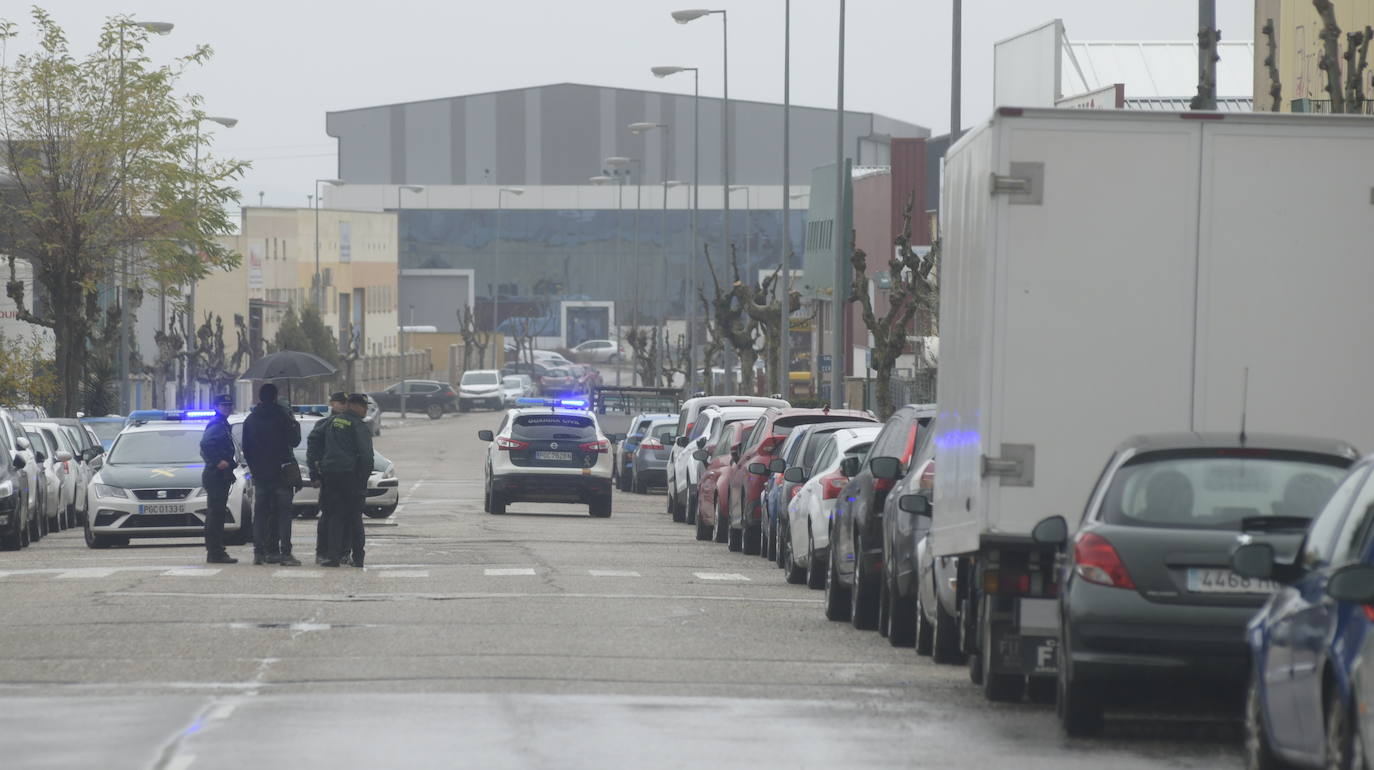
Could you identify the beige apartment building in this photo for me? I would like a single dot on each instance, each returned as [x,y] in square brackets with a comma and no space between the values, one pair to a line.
[1298,52]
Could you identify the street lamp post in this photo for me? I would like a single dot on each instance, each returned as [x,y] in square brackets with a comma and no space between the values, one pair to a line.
[639,129]
[837,319]
[496,291]
[319,284]
[784,354]
[662,72]
[620,166]
[159,28]
[400,325]
[685,17]
[619,179]
[189,325]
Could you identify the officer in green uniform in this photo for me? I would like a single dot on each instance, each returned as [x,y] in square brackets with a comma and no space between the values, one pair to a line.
[342,454]
[314,443]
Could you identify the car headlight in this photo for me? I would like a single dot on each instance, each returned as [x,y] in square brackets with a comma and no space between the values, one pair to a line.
[6,488]
[389,472]
[104,490]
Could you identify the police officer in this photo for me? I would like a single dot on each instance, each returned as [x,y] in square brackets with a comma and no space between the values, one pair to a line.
[354,538]
[270,433]
[341,457]
[217,450]
[314,443]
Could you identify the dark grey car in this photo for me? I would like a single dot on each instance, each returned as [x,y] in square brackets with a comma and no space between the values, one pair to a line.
[651,455]
[1147,593]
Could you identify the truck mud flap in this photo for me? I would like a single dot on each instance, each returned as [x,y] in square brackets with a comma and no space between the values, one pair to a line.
[1029,655]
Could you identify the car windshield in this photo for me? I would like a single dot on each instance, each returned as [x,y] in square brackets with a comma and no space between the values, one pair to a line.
[557,373]
[512,382]
[543,427]
[480,378]
[157,447]
[1219,488]
[106,430]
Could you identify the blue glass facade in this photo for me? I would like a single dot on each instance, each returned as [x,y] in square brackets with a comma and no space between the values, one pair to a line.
[588,253]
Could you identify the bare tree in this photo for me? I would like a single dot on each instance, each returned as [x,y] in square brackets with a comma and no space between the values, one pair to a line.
[1356,60]
[732,324]
[1330,61]
[676,359]
[765,309]
[1272,63]
[713,345]
[913,289]
[644,349]
[474,339]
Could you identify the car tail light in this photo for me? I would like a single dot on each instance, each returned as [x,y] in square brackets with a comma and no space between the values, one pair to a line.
[1368,611]
[650,443]
[1096,561]
[795,489]
[1008,582]
[928,476]
[832,485]
[595,446]
[882,485]
[688,431]
[503,443]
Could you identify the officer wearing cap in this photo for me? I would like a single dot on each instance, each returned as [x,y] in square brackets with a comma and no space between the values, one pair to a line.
[339,463]
[353,536]
[217,450]
[314,444]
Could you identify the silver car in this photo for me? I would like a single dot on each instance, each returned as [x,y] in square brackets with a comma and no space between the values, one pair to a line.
[383,489]
[650,465]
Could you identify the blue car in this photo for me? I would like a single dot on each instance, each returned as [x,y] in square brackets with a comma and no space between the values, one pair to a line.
[1305,643]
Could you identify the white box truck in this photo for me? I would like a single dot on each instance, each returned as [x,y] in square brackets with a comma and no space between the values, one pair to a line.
[1109,273]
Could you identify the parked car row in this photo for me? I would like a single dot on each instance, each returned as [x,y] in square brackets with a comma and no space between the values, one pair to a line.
[45,468]
[1239,567]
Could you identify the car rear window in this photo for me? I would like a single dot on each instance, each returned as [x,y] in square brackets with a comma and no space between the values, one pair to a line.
[480,378]
[553,426]
[1220,488]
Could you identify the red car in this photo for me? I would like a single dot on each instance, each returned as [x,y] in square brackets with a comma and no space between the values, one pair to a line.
[747,476]
[711,517]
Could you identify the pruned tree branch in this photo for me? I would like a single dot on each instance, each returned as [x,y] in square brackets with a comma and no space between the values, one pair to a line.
[1330,61]
[1271,63]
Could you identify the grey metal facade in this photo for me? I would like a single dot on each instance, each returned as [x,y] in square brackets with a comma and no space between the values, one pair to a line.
[559,134]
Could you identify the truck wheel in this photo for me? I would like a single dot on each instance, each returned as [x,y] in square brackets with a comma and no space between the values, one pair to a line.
[837,606]
[1080,703]
[999,688]
[815,571]
[863,600]
[901,618]
[946,637]
[925,632]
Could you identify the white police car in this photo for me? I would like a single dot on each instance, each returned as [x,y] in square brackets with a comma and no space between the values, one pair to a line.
[548,451]
[149,484]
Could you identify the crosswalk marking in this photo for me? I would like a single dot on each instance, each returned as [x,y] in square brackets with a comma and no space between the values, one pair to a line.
[297,573]
[87,572]
[403,573]
[613,573]
[723,576]
[508,572]
[190,572]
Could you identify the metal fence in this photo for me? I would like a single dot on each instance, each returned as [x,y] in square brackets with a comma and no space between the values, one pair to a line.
[373,373]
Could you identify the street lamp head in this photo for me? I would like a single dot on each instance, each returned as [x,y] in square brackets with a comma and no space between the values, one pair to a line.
[156,27]
[601,179]
[620,161]
[799,196]
[640,128]
[412,188]
[332,182]
[738,187]
[674,183]
[513,190]
[223,121]
[663,72]
[691,14]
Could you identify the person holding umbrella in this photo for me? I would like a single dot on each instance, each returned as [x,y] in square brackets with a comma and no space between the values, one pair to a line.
[270,434]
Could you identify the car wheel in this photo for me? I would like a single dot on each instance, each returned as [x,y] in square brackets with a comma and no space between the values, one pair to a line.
[769,550]
[901,620]
[691,505]
[601,509]
[638,485]
[379,513]
[791,572]
[884,617]
[37,528]
[776,542]
[97,541]
[722,524]
[26,537]
[1259,754]
[837,603]
[863,601]
[675,507]
[1340,735]
[1079,703]
[946,637]
[496,505]
[751,539]
[815,571]
[924,638]
[435,411]
[704,531]
[735,539]
[15,541]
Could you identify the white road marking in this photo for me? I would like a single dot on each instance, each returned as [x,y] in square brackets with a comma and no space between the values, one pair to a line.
[413,596]
[298,573]
[508,572]
[725,576]
[181,762]
[613,573]
[191,572]
[403,573]
[87,572]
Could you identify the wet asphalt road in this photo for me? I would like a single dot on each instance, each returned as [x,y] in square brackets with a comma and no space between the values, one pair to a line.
[542,638]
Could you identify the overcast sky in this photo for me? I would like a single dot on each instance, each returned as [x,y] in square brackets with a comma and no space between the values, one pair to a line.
[279,65]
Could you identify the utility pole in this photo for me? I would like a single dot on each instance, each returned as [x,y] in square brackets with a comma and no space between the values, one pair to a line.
[840,239]
[784,354]
[1207,37]
[956,74]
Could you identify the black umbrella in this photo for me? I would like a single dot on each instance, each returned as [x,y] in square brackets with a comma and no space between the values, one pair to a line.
[289,365]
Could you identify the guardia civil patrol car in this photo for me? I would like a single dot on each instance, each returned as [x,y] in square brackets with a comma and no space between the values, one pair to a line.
[149,484]
[548,451]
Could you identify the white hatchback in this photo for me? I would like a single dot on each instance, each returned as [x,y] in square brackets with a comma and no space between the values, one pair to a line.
[553,452]
[808,515]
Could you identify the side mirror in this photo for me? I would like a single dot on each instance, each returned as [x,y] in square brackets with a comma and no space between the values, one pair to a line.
[849,467]
[917,504]
[1053,530]
[1353,583]
[777,465]
[681,441]
[486,435]
[63,456]
[758,469]
[795,475]
[886,468]
[19,463]
[22,443]
[700,455]
[1254,560]
[40,457]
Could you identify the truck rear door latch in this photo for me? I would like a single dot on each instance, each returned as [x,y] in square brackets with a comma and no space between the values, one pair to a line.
[1016,466]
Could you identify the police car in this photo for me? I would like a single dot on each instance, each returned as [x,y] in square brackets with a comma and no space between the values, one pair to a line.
[383,488]
[149,484]
[548,451]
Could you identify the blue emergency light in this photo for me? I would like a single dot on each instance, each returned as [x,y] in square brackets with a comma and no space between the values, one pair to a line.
[310,408]
[553,402]
[165,415]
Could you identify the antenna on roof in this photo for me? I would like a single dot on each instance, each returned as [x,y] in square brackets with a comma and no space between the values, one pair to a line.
[1244,402]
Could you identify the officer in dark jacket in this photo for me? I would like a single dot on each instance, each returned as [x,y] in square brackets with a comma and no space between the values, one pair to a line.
[342,457]
[270,433]
[338,402]
[217,450]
